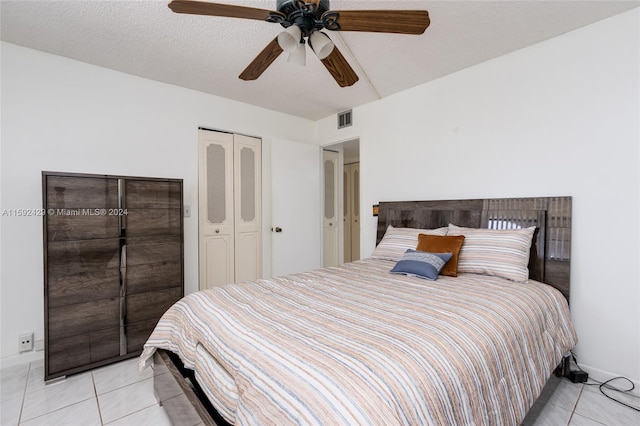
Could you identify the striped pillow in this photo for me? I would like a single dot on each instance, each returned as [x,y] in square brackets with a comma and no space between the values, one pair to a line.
[500,253]
[421,264]
[397,241]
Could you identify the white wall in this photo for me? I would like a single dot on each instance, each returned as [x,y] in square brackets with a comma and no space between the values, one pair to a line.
[558,118]
[63,115]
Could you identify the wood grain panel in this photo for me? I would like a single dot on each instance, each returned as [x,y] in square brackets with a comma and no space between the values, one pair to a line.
[340,69]
[83,318]
[151,222]
[217,9]
[81,224]
[143,250]
[154,276]
[138,333]
[70,192]
[152,194]
[104,344]
[262,61]
[385,21]
[66,355]
[421,217]
[150,305]
[84,287]
[75,257]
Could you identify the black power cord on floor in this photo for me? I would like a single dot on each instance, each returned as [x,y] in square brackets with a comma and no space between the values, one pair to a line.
[606,385]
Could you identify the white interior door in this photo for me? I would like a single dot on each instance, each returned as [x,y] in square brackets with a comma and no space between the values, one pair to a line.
[295,204]
[332,214]
[346,219]
[229,208]
[354,172]
[248,209]
[215,209]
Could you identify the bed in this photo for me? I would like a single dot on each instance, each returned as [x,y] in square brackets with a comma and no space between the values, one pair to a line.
[357,344]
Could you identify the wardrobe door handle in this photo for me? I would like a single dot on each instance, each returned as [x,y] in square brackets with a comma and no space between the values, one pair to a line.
[123,300]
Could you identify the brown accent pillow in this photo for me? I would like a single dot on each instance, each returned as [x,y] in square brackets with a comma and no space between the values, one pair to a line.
[443,244]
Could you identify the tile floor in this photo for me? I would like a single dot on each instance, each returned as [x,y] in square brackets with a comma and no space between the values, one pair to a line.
[118,395]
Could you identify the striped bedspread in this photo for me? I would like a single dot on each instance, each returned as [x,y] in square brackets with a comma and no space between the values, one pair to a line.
[355,345]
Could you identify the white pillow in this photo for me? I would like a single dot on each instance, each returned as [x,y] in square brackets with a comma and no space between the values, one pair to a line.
[397,241]
[497,252]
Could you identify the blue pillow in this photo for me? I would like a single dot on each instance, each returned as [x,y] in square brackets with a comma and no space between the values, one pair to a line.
[421,264]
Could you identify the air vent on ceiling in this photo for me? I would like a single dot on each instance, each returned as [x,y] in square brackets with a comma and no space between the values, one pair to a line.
[345,119]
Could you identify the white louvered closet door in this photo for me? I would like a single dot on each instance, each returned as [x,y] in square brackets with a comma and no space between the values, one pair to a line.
[354,200]
[346,217]
[331,213]
[351,217]
[248,178]
[229,209]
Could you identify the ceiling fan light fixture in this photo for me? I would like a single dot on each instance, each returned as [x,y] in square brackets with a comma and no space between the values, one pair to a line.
[289,39]
[301,20]
[321,44]
[299,55]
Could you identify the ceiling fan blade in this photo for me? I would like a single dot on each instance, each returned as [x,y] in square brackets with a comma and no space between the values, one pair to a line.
[261,62]
[340,69]
[195,7]
[380,21]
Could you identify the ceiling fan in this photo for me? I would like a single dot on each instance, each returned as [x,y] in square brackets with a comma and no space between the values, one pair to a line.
[303,19]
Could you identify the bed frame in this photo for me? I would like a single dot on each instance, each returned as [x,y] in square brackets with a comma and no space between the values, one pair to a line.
[183,399]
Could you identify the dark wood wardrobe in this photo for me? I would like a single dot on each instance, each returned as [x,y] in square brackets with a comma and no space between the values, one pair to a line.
[113,264]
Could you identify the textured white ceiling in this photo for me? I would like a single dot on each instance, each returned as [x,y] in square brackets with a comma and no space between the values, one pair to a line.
[206,53]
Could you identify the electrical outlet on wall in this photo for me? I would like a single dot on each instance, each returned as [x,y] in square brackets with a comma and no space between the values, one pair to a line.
[25,342]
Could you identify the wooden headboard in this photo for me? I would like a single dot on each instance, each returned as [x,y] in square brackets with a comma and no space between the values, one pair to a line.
[550,257]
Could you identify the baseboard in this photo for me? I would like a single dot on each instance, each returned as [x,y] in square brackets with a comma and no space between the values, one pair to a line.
[603,376]
[23,358]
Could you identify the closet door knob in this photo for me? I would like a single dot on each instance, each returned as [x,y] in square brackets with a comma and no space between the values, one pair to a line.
[217,231]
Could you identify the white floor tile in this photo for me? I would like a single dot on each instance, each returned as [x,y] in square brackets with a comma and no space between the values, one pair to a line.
[14,371]
[119,375]
[578,420]
[83,413]
[625,397]
[598,407]
[561,392]
[118,395]
[58,395]
[151,416]
[35,381]
[126,400]
[10,411]
[13,381]
[544,413]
